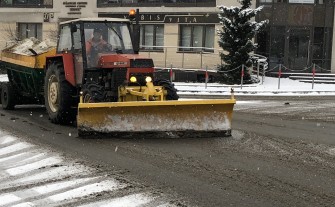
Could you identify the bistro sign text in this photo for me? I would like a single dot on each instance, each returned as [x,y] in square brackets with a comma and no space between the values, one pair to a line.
[171,18]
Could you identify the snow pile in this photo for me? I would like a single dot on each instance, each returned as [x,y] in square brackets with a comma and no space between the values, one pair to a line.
[31,46]
[3,78]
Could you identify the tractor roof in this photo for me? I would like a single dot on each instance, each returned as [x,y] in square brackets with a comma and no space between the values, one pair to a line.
[96,19]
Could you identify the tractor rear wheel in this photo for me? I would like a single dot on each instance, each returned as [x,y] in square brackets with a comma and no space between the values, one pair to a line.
[7,97]
[169,87]
[59,96]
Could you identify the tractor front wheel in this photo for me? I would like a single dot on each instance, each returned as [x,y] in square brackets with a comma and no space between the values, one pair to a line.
[169,87]
[93,93]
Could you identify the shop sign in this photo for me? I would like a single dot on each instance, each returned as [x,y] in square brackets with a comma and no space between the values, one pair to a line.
[75,7]
[170,18]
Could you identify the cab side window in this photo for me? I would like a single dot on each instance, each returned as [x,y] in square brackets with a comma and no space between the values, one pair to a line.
[65,42]
[77,39]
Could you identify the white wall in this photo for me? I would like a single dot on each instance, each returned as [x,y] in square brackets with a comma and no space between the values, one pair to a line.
[61,11]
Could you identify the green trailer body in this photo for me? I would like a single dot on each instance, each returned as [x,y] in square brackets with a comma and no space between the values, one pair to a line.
[26,82]
[25,76]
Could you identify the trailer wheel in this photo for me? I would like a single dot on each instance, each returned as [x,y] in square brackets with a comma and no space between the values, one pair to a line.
[169,87]
[59,96]
[7,96]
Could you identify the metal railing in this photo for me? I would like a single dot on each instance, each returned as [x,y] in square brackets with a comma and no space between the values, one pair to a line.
[199,59]
[190,58]
[310,72]
[261,63]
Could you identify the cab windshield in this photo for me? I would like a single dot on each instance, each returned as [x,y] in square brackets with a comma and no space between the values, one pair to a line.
[116,35]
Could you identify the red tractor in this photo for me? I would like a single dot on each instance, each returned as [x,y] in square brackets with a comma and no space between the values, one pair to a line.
[94,56]
[96,78]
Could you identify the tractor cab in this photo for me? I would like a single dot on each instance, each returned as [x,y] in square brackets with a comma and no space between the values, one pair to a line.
[93,41]
[90,38]
[106,38]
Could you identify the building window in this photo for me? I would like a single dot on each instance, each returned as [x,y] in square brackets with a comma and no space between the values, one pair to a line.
[152,37]
[296,1]
[322,46]
[26,3]
[197,38]
[172,3]
[32,2]
[27,30]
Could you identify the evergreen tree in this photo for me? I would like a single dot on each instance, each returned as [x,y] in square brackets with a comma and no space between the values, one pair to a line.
[236,39]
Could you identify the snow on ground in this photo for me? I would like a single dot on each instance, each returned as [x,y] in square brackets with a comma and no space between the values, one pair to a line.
[31,176]
[269,87]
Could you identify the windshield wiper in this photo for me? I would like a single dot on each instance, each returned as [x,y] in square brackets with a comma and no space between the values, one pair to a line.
[110,27]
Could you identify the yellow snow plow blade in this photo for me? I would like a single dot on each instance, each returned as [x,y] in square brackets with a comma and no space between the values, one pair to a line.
[183,118]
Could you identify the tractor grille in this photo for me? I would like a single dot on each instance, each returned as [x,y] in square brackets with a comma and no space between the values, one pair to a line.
[119,77]
[141,63]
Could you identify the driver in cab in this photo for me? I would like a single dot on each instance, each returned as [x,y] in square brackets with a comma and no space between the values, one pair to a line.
[94,46]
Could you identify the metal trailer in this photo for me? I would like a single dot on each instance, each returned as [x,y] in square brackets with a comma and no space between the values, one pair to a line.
[25,78]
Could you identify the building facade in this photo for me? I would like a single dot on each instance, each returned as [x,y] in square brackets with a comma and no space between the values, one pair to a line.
[299,34]
[182,33]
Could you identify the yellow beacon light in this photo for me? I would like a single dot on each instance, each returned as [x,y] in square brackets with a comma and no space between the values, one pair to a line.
[132,13]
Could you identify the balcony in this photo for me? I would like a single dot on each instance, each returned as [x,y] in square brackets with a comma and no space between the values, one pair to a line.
[155,3]
[26,3]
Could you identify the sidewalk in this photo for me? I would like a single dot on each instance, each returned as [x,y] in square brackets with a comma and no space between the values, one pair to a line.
[270,87]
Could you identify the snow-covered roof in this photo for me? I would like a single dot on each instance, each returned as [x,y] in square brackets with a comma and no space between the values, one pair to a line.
[97,19]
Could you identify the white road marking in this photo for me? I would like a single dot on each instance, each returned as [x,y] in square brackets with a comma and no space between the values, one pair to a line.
[14,147]
[29,158]
[60,185]
[27,204]
[106,185]
[33,166]
[54,173]
[5,159]
[166,205]
[55,181]
[8,198]
[126,201]
[6,139]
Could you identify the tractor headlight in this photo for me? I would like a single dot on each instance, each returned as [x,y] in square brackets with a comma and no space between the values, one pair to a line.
[133,79]
[148,79]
